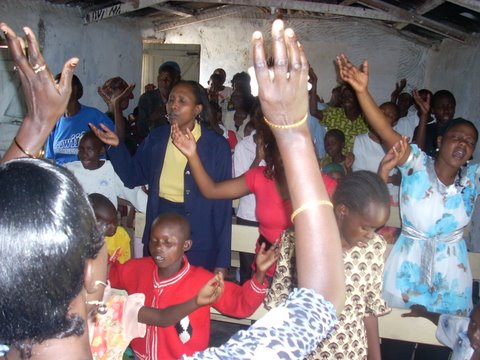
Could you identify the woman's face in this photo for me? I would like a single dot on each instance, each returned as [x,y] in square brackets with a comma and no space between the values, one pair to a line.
[182,107]
[457,145]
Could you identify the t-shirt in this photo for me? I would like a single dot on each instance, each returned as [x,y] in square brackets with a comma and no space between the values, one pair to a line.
[335,118]
[273,212]
[105,181]
[119,241]
[62,143]
[368,155]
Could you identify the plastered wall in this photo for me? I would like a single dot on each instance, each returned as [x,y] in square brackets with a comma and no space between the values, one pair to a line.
[106,49]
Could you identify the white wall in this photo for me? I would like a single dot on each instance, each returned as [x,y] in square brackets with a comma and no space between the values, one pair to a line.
[225,42]
[106,49]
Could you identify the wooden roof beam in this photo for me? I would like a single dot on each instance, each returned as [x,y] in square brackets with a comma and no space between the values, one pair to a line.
[418,20]
[205,15]
[309,6]
[119,9]
[423,9]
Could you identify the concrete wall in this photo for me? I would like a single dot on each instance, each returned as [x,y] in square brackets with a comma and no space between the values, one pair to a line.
[106,49]
[225,43]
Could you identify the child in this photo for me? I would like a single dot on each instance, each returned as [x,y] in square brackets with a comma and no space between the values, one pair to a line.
[97,176]
[334,143]
[361,206]
[167,277]
[459,333]
[116,237]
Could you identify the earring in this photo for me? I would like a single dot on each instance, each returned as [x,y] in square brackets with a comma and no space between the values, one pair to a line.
[102,307]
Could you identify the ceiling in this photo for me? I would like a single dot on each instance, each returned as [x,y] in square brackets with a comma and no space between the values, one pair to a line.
[425,21]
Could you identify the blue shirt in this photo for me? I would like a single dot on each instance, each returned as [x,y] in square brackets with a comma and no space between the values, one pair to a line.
[62,143]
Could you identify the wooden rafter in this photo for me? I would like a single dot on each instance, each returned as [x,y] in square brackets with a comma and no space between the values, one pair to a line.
[309,6]
[206,15]
[119,9]
[418,20]
[423,9]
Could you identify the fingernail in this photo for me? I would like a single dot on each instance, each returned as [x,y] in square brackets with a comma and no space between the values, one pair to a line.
[26,31]
[257,35]
[74,62]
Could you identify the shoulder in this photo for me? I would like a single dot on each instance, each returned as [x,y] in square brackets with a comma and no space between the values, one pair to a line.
[94,112]
[200,273]
[210,138]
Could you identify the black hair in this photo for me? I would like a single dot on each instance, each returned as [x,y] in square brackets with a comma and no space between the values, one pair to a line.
[337,134]
[75,82]
[358,189]
[174,218]
[458,121]
[425,92]
[201,98]
[443,93]
[91,135]
[244,79]
[99,202]
[47,231]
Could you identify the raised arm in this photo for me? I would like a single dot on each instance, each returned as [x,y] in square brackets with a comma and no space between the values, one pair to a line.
[284,102]
[228,189]
[312,95]
[46,101]
[420,133]
[358,80]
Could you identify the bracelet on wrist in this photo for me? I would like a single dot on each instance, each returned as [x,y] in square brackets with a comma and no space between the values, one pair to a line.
[289,126]
[27,153]
[310,205]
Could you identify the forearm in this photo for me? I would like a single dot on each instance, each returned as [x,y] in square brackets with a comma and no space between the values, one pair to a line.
[227,189]
[31,136]
[313,246]
[168,316]
[377,120]
[119,122]
[421,133]
[312,103]
[373,340]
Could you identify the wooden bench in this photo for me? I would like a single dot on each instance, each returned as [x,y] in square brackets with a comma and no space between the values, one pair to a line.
[391,326]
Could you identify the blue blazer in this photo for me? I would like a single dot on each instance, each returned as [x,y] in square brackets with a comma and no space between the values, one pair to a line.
[210,220]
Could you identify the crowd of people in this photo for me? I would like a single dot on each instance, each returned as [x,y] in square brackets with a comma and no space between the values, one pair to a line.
[317,179]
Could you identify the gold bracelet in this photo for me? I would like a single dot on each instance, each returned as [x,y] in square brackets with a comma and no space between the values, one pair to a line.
[289,126]
[40,154]
[310,205]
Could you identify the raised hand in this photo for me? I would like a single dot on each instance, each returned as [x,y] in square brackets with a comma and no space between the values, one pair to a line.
[393,158]
[105,134]
[349,159]
[356,77]
[266,258]
[284,95]
[45,99]
[211,291]
[185,142]
[423,105]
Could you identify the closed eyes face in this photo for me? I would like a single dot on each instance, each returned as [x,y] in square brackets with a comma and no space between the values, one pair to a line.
[458,144]
[182,106]
[89,152]
[357,229]
[167,246]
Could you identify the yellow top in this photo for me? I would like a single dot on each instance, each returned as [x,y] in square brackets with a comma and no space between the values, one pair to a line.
[171,184]
[121,241]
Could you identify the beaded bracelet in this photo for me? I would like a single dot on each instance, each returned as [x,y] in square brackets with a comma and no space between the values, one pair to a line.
[310,205]
[40,154]
[289,126]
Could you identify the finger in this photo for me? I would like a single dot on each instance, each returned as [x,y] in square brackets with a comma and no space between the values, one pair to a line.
[15,44]
[65,84]
[259,61]
[365,67]
[34,54]
[280,55]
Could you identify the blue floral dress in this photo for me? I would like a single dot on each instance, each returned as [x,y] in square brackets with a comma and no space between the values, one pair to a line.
[428,264]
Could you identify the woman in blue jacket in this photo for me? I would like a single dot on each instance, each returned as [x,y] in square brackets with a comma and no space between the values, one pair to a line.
[171,186]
